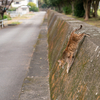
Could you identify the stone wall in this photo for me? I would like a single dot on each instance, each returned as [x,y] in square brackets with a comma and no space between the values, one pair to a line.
[83,80]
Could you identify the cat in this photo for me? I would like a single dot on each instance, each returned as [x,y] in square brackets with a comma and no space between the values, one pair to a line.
[71,50]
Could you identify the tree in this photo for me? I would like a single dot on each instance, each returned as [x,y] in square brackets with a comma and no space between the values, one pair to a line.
[56,3]
[95,4]
[87,5]
[4,5]
[47,2]
[79,9]
[73,2]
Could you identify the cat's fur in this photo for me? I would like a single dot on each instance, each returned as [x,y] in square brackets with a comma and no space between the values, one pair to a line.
[70,51]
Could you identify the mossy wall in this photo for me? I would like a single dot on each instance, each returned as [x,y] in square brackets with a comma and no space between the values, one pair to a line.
[83,80]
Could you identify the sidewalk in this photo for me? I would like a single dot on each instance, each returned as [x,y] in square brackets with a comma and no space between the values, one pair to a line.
[36,84]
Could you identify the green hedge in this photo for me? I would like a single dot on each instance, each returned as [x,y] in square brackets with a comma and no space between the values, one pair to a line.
[34,9]
[79,10]
[12,9]
[67,9]
[32,6]
[7,17]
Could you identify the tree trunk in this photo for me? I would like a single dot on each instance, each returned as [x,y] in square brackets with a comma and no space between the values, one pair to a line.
[89,7]
[2,14]
[85,4]
[95,7]
[72,8]
[86,12]
[97,4]
[59,8]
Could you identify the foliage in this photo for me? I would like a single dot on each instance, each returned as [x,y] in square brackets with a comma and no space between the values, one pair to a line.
[17,23]
[6,17]
[4,5]
[98,11]
[67,9]
[57,4]
[0,17]
[44,6]
[77,7]
[34,9]
[79,10]
[48,3]
[32,6]
[12,9]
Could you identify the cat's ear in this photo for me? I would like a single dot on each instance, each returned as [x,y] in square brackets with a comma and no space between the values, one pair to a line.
[59,61]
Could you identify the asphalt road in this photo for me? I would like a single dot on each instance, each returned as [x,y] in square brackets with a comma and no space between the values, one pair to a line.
[16,47]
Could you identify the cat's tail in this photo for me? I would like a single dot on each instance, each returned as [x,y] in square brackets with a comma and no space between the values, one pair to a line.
[78,28]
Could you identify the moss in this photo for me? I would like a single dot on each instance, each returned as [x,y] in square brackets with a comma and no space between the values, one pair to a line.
[40,36]
[65,86]
[60,72]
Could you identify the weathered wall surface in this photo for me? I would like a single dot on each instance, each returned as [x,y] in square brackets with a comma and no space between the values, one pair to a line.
[83,80]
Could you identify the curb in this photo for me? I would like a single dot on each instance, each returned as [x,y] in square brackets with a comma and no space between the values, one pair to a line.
[36,84]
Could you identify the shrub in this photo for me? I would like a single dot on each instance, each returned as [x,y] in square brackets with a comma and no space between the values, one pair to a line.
[79,9]
[44,5]
[4,17]
[7,17]
[17,23]
[67,9]
[34,9]
[32,6]
[12,9]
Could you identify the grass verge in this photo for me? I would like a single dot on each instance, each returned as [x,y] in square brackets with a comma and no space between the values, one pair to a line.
[16,23]
[91,21]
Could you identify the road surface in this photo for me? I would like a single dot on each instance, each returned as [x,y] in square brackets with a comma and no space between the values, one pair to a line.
[16,47]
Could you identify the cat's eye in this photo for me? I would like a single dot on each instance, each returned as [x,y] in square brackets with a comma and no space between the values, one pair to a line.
[72,56]
[68,56]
